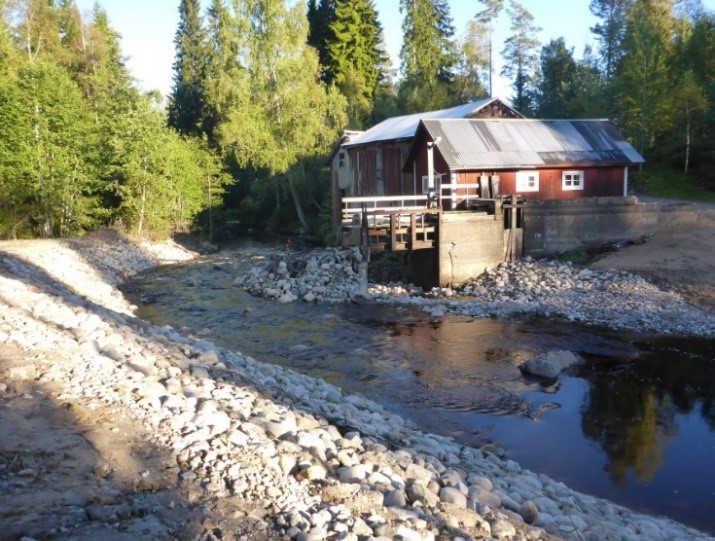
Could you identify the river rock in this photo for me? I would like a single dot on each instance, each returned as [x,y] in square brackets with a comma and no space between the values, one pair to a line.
[549,365]
[395,498]
[453,496]
[529,512]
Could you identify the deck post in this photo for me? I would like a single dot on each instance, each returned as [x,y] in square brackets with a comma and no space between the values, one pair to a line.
[393,232]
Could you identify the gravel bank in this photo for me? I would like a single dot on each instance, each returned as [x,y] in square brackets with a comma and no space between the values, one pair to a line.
[608,298]
[254,451]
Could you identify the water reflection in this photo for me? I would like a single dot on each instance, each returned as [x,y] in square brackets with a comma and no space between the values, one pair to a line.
[635,423]
[632,411]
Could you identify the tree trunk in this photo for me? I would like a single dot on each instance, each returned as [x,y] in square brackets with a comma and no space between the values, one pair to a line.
[298,206]
[687,144]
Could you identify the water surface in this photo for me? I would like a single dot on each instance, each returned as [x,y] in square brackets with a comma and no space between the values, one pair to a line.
[634,423]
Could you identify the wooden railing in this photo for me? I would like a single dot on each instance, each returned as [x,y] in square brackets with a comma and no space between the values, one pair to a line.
[392,222]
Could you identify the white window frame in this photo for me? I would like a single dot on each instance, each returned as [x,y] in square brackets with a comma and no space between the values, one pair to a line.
[437,181]
[569,183]
[527,181]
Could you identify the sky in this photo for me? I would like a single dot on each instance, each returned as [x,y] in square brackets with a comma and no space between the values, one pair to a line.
[148,28]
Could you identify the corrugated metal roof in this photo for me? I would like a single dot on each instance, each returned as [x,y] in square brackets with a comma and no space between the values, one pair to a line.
[404,127]
[514,143]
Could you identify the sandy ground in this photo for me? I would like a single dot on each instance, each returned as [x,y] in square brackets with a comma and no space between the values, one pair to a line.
[82,471]
[680,258]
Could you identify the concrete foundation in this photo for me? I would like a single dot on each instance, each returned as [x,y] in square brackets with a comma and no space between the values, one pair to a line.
[556,226]
[469,244]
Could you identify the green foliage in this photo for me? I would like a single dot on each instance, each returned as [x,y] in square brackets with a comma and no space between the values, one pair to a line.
[187,96]
[356,59]
[428,55]
[659,181]
[610,32]
[80,145]
[321,14]
[273,111]
[521,57]
[644,76]
[42,124]
[474,53]
[578,255]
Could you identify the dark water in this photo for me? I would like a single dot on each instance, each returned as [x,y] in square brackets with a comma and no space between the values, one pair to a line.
[635,423]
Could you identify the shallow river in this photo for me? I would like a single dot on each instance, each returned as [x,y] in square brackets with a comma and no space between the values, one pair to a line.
[635,423]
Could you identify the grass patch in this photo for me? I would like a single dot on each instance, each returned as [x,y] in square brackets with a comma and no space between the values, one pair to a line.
[662,182]
[578,255]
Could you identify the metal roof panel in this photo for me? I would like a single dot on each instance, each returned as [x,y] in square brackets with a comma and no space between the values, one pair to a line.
[404,127]
[511,143]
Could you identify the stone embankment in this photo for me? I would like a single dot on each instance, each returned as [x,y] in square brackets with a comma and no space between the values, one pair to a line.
[291,456]
[614,299]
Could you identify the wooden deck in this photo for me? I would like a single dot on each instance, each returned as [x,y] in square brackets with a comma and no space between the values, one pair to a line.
[408,223]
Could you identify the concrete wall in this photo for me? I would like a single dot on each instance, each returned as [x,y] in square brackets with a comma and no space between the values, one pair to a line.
[556,226]
[469,244]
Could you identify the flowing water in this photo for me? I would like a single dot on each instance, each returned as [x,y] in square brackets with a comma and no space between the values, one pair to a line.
[635,423]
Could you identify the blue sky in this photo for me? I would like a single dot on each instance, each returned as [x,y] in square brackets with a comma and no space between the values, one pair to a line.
[148,26]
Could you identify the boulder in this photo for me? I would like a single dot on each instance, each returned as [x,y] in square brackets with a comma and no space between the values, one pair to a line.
[549,365]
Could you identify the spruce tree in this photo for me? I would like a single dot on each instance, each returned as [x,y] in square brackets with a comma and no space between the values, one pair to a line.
[186,102]
[321,14]
[428,55]
[356,56]
[558,82]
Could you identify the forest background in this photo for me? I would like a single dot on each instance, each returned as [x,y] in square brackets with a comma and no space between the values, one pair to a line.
[262,90]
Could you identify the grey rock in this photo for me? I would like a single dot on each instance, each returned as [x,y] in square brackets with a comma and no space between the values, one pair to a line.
[395,498]
[453,495]
[529,512]
[549,365]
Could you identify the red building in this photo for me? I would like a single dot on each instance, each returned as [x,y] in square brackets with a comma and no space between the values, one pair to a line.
[371,163]
[488,148]
[535,159]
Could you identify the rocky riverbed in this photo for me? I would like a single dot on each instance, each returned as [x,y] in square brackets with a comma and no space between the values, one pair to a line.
[608,298]
[112,428]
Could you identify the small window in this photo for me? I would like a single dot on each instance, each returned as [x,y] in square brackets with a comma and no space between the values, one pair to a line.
[527,181]
[341,159]
[572,180]
[425,183]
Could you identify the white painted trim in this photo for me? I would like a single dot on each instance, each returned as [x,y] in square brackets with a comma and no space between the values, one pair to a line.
[571,188]
[522,181]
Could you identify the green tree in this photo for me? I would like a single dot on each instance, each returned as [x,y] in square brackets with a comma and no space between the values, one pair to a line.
[688,101]
[282,112]
[186,102]
[356,56]
[610,32]
[589,88]
[521,56]
[226,81]
[473,63]
[72,37]
[644,73]
[37,32]
[558,81]
[321,14]
[487,17]
[44,150]
[7,50]
[428,55]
